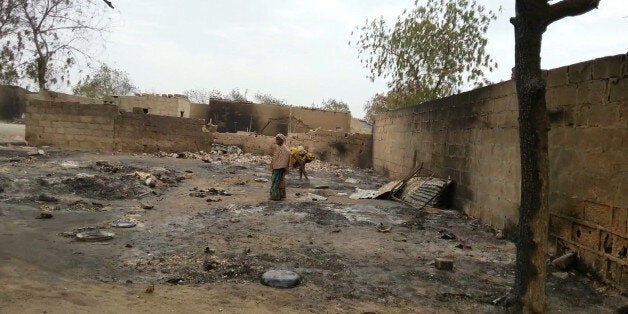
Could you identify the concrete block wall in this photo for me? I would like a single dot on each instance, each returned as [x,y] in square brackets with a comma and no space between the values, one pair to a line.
[168,105]
[587,104]
[148,133]
[70,125]
[102,127]
[473,138]
[339,148]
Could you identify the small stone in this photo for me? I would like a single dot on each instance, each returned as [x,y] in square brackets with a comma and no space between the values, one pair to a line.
[321,187]
[151,182]
[499,235]
[281,279]
[128,245]
[209,250]
[44,215]
[444,234]
[234,219]
[146,206]
[564,262]
[47,198]
[211,200]
[444,263]
[561,275]
[261,180]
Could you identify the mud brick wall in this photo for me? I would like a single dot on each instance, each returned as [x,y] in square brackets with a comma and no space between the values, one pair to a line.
[339,148]
[266,119]
[473,138]
[70,125]
[136,132]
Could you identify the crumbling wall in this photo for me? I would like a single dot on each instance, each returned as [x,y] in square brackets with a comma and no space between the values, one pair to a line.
[166,105]
[12,102]
[70,125]
[339,148]
[136,132]
[91,127]
[266,119]
[473,138]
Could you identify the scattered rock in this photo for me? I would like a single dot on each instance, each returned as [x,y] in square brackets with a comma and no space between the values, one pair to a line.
[444,234]
[124,224]
[44,215]
[312,197]
[564,262]
[352,181]
[128,245]
[69,164]
[234,219]
[47,198]
[146,206]
[209,250]
[261,180]
[444,263]
[499,235]
[463,246]
[342,194]
[561,275]
[211,199]
[35,152]
[321,187]
[433,210]
[383,229]
[150,289]
[175,281]
[336,230]
[281,279]
[94,236]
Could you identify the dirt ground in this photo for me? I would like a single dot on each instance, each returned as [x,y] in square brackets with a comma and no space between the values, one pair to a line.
[213,232]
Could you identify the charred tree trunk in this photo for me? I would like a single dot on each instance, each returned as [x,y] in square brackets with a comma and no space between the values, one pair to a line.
[533,17]
[533,125]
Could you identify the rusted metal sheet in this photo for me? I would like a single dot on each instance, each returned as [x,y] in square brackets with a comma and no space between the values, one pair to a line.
[420,192]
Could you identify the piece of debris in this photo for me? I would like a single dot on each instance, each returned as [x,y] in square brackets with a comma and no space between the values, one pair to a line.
[336,230]
[561,275]
[128,245]
[36,152]
[499,235]
[444,263]
[69,164]
[47,198]
[433,210]
[463,246]
[420,192]
[383,229]
[146,206]
[209,250]
[150,289]
[444,234]
[234,219]
[261,180]
[312,197]
[124,224]
[352,181]
[94,236]
[175,281]
[564,262]
[281,279]
[44,215]
[362,194]
[321,187]
[211,199]
[342,194]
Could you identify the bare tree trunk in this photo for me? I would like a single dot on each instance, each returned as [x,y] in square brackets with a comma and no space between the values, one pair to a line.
[533,17]
[533,126]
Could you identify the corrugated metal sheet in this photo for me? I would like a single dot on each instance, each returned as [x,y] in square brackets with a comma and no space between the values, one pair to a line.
[422,192]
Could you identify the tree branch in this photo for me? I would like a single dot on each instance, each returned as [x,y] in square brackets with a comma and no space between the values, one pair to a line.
[567,8]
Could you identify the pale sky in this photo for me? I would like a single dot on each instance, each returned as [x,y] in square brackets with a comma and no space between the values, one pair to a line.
[298,50]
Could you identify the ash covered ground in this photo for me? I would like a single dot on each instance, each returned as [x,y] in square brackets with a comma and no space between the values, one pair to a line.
[205,232]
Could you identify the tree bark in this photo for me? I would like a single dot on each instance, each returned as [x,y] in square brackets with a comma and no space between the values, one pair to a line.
[533,125]
[531,21]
